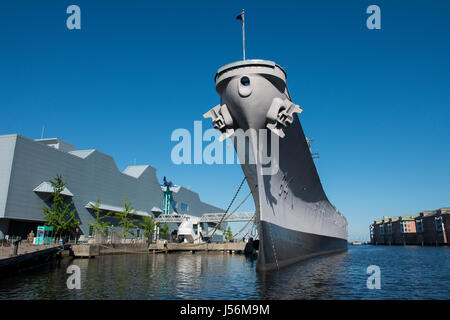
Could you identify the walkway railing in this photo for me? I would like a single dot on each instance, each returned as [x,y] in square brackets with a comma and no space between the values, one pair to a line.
[208,217]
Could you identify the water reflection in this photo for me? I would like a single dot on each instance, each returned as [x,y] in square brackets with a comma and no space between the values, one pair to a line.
[310,279]
[406,273]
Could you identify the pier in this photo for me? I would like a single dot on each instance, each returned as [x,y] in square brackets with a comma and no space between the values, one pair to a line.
[93,250]
[229,247]
[18,258]
[96,249]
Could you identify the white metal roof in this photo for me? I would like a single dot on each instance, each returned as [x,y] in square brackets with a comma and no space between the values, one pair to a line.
[108,207]
[46,187]
[135,171]
[82,153]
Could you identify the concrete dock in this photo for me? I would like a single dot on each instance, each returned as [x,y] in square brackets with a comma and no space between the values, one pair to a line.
[28,257]
[23,248]
[230,247]
[93,250]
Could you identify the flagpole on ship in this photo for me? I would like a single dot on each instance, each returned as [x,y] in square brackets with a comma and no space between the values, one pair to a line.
[241,17]
[243,32]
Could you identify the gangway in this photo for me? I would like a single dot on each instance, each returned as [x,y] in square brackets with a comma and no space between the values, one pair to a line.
[207,217]
[234,217]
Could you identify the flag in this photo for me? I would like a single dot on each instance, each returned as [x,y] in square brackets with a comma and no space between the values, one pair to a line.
[241,16]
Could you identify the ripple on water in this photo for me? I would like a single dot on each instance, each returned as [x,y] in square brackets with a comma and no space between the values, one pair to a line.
[406,273]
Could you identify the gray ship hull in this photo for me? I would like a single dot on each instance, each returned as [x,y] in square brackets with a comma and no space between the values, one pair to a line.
[294,217]
[295,220]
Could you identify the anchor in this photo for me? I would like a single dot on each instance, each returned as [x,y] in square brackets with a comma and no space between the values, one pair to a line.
[280,115]
[222,120]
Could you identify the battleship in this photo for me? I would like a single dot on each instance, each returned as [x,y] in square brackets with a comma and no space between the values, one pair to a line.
[294,217]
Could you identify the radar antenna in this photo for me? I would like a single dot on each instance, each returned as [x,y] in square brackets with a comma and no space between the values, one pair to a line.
[314,155]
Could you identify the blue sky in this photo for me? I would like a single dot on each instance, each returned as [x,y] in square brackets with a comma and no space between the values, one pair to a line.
[376,102]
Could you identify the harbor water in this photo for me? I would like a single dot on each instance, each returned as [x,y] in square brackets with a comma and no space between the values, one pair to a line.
[410,272]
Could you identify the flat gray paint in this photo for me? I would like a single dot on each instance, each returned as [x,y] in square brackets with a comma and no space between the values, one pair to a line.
[89,175]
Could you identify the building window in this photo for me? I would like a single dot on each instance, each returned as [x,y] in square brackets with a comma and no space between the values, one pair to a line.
[184,207]
[439,224]
[389,228]
[404,227]
[419,225]
[382,230]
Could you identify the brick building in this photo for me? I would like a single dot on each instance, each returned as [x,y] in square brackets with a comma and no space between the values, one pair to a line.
[428,228]
[433,227]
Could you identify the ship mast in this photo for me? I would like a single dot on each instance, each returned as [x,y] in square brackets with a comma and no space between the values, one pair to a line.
[314,155]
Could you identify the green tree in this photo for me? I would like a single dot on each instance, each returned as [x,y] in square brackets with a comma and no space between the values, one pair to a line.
[229,234]
[164,230]
[148,225]
[59,215]
[99,224]
[126,221]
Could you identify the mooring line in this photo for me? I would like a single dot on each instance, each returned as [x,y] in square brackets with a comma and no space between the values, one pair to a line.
[229,206]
